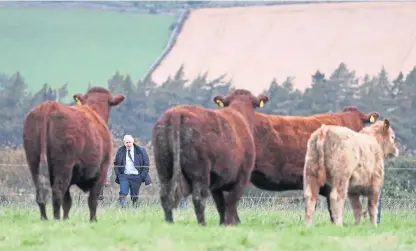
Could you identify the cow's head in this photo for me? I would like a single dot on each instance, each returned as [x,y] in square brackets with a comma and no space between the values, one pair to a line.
[100,99]
[241,96]
[370,117]
[385,136]
[390,148]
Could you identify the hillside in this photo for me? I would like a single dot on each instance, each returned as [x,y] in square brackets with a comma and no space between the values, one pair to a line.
[79,46]
[253,45]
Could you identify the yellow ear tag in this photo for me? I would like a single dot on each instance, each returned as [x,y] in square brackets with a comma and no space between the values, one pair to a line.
[372,119]
[77,101]
[261,103]
[220,103]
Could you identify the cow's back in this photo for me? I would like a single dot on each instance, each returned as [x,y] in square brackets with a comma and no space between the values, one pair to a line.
[80,131]
[289,135]
[33,122]
[221,136]
[341,151]
[281,143]
[350,154]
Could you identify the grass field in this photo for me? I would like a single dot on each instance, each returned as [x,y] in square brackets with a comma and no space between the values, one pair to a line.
[262,228]
[78,46]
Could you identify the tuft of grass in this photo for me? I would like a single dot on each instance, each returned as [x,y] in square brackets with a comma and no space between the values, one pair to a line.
[143,228]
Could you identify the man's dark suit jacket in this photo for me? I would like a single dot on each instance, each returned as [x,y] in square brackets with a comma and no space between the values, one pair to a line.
[141,162]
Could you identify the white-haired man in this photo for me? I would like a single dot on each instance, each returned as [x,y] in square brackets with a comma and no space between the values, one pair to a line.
[131,166]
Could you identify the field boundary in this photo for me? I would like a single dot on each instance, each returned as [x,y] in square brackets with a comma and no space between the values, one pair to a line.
[278,203]
[171,42]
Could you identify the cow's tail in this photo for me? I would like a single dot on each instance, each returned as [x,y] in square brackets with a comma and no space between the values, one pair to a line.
[320,144]
[176,192]
[43,172]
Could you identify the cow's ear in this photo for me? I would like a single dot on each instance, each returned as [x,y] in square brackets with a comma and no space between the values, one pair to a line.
[386,124]
[350,108]
[371,117]
[117,99]
[79,98]
[261,100]
[220,100]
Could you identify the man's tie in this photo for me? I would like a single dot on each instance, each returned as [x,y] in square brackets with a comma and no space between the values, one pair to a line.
[128,152]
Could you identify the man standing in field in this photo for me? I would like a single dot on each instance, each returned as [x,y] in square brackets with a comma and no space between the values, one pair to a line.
[131,166]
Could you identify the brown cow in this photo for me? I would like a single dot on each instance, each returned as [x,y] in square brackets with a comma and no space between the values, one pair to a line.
[281,146]
[351,163]
[198,150]
[68,145]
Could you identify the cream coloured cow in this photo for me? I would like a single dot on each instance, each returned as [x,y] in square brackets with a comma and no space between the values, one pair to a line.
[351,163]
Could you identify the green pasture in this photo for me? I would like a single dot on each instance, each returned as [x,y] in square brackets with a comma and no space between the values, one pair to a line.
[143,228]
[78,46]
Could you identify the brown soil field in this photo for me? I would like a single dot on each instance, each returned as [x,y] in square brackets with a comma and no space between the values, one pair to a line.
[253,45]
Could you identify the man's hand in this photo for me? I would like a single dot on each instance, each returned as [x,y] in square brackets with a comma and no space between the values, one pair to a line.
[107,183]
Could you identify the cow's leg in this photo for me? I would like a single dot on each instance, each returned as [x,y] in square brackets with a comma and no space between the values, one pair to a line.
[233,196]
[231,200]
[372,205]
[41,193]
[311,193]
[337,196]
[198,198]
[32,153]
[325,191]
[164,162]
[101,196]
[41,197]
[56,202]
[67,204]
[61,183]
[200,190]
[93,199]
[218,197]
[356,207]
[42,207]
[57,197]
[98,185]
[165,202]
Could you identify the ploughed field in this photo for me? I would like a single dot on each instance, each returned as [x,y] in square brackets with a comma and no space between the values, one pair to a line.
[263,227]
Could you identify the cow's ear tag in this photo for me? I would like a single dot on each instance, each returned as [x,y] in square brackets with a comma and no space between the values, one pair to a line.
[220,103]
[372,119]
[77,101]
[261,103]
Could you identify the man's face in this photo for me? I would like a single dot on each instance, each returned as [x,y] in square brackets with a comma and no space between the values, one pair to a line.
[128,143]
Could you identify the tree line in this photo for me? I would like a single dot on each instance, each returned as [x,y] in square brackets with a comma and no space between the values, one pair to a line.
[394,98]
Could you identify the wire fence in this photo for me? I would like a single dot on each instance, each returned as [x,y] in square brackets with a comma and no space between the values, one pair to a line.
[17,189]
[152,166]
[265,203]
